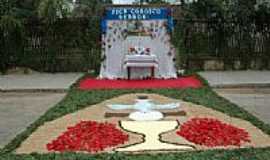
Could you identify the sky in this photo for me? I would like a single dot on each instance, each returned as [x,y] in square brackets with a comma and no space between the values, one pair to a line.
[130,1]
[123,1]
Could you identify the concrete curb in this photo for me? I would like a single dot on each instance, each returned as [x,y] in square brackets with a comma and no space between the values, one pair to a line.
[34,90]
[239,86]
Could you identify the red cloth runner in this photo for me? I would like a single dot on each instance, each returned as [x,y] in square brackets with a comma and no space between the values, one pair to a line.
[183,82]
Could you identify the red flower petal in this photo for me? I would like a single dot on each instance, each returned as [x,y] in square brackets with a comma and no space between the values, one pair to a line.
[88,136]
[212,133]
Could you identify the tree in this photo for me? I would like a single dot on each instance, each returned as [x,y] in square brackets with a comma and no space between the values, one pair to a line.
[26,9]
[11,34]
[86,8]
[262,12]
[51,10]
[204,9]
[150,2]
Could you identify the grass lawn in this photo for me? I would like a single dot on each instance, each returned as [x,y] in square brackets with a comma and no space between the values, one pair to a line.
[77,99]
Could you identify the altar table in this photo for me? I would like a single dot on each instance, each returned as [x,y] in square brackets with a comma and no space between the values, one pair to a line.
[140,61]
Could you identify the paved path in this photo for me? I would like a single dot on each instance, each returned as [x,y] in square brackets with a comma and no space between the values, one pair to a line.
[237,78]
[255,101]
[248,89]
[19,110]
[44,81]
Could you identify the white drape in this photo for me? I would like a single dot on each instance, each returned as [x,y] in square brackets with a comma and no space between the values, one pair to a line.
[115,47]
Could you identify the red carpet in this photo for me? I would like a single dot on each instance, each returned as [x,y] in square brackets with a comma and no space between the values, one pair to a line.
[183,82]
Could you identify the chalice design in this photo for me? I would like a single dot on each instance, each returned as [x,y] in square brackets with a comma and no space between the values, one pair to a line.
[146,122]
[151,131]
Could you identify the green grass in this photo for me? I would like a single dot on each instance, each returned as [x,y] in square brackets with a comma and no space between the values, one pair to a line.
[239,154]
[76,100]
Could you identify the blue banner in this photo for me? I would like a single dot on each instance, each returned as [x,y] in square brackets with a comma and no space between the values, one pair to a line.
[137,13]
[170,24]
[103,25]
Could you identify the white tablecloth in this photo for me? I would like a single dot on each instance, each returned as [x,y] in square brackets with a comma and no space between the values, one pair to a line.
[140,61]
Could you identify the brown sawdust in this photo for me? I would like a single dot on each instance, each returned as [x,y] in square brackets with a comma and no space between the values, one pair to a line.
[37,141]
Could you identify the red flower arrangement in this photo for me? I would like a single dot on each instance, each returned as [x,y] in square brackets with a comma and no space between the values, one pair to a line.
[131,49]
[88,136]
[212,133]
[147,51]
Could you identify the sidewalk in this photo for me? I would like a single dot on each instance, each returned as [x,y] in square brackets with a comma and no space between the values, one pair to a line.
[255,101]
[38,81]
[238,79]
[248,89]
[20,105]
[19,110]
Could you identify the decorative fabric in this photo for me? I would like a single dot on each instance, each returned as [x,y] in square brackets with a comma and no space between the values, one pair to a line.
[115,51]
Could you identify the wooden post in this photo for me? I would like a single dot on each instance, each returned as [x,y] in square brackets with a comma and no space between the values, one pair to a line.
[128,72]
[153,72]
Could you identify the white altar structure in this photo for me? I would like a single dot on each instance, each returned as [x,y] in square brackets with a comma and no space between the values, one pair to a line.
[136,44]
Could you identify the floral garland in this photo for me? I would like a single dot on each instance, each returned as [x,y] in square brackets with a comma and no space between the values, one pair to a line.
[88,136]
[139,51]
[212,133]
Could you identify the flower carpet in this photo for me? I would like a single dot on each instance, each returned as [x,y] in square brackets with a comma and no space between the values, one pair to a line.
[212,133]
[88,130]
[183,82]
[88,136]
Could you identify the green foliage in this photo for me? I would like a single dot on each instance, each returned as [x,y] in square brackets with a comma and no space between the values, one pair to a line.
[150,2]
[86,8]
[205,9]
[53,39]
[51,10]
[218,28]
[26,9]
[227,30]
[11,41]
[238,154]
[65,45]
[262,13]
[7,7]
